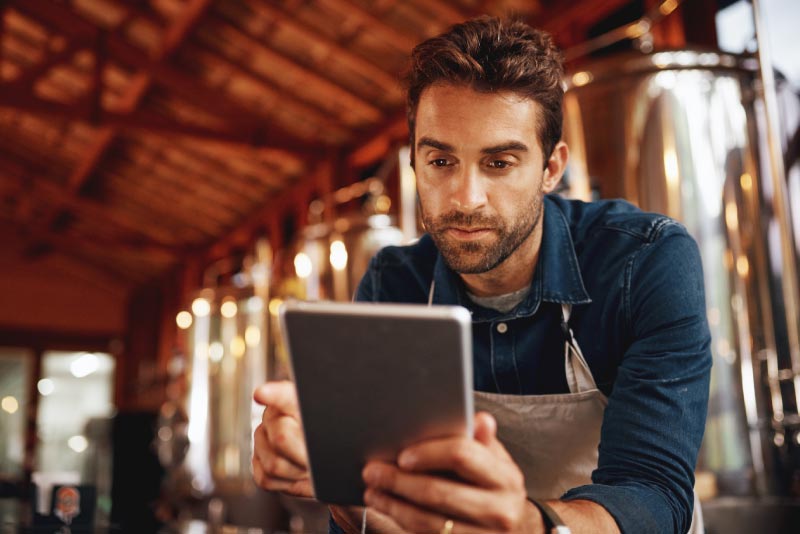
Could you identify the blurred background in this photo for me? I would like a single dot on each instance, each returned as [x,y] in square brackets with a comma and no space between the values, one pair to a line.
[172,170]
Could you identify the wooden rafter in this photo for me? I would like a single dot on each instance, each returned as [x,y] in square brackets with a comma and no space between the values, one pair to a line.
[581,13]
[28,77]
[237,134]
[141,82]
[359,64]
[42,234]
[76,27]
[401,41]
[442,11]
[316,114]
[325,84]
[52,193]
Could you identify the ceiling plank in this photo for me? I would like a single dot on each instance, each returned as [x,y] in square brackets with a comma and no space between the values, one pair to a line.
[76,27]
[25,175]
[149,250]
[28,77]
[325,85]
[357,63]
[581,13]
[238,135]
[325,118]
[401,41]
[174,35]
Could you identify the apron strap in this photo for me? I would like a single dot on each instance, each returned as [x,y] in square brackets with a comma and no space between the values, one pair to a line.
[579,376]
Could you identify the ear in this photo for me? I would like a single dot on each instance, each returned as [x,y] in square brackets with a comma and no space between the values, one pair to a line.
[556,166]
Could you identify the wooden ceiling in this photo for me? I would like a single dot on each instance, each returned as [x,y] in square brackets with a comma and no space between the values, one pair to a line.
[137,133]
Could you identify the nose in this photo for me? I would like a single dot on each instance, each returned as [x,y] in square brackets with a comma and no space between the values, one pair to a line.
[469,190]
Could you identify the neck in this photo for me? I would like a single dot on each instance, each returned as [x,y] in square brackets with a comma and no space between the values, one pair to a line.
[513,274]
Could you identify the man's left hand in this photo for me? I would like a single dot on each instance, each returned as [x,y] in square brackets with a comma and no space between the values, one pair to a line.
[488,494]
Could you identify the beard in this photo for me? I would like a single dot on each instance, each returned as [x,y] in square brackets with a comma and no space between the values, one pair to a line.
[483,255]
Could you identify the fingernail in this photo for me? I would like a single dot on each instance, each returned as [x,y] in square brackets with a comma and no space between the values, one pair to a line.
[407,460]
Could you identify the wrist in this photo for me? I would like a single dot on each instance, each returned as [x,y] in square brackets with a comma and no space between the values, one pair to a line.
[548,520]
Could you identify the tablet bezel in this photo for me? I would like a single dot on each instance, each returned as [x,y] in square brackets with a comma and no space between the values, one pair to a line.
[402,318]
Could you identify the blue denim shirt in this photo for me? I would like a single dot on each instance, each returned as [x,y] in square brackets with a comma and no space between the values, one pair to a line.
[635,283]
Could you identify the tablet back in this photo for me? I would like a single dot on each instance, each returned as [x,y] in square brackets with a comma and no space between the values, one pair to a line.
[373,379]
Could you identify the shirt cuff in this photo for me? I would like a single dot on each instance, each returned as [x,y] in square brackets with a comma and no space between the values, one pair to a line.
[635,509]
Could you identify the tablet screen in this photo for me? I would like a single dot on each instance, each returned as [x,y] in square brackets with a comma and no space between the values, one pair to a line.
[373,379]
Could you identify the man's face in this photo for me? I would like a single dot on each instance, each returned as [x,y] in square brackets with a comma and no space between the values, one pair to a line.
[479,165]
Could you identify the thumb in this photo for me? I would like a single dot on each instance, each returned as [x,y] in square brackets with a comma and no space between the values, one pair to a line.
[279,395]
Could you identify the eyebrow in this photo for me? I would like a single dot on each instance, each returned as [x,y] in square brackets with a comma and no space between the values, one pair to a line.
[506,147]
[433,143]
[503,147]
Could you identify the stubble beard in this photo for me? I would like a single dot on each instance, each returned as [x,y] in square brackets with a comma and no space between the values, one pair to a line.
[476,257]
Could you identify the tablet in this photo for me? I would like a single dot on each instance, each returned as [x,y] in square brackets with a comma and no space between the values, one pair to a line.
[372,379]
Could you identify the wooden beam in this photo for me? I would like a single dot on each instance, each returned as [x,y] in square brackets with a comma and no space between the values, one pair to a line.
[122,245]
[141,83]
[357,63]
[581,13]
[375,144]
[59,16]
[286,98]
[51,192]
[58,340]
[325,84]
[149,122]
[445,14]
[401,41]
[243,231]
[28,77]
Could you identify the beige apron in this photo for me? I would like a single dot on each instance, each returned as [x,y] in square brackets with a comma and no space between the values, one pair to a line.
[554,439]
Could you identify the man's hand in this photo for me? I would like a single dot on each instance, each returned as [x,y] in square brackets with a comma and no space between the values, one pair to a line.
[279,456]
[487,496]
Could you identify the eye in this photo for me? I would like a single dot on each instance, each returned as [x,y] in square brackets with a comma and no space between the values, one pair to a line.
[498,164]
[439,162]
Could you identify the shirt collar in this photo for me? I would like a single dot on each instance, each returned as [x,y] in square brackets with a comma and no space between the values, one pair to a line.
[557,277]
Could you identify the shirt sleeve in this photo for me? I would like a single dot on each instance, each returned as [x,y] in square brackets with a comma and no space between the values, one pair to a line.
[333,528]
[654,422]
[367,290]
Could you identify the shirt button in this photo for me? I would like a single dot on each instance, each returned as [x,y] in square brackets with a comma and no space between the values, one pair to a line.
[502,328]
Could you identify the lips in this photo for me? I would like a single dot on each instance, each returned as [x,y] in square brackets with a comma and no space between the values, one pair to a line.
[467,233]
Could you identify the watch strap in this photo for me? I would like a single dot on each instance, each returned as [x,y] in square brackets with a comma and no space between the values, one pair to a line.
[552,522]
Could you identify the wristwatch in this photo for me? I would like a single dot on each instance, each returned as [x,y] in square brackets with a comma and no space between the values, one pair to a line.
[552,522]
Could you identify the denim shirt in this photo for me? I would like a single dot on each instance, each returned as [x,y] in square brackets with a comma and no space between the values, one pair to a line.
[635,284]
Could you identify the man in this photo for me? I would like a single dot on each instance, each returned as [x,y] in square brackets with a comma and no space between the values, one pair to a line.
[603,440]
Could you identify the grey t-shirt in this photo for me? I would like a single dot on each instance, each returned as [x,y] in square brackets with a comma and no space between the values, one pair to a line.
[502,303]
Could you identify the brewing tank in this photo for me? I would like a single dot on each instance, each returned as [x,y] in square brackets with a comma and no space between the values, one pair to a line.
[682,133]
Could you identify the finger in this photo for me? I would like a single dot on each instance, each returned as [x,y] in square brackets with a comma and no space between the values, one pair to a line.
[413,518]
[486,433]
[285,436]
[467,458]
[491,509]
[279,397]
[301,487]
[273,464]
[485,428]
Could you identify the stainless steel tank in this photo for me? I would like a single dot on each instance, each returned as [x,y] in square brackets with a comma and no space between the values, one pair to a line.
[205,434]
[681,133]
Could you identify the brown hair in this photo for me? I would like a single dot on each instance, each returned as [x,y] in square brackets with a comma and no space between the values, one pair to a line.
[489,54]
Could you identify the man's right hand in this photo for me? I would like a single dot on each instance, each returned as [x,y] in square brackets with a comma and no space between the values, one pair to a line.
[279,457]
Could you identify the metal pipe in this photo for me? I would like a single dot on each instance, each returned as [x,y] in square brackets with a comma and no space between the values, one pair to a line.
[780,198]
